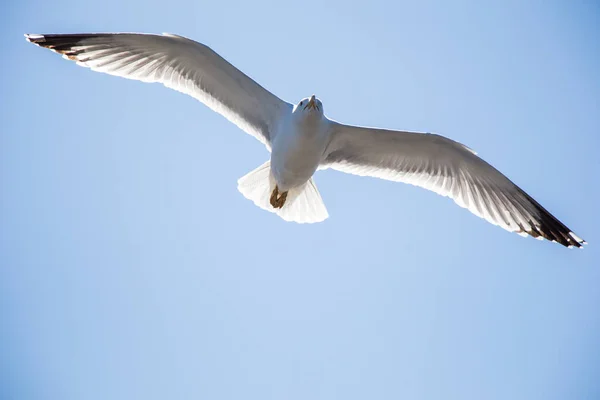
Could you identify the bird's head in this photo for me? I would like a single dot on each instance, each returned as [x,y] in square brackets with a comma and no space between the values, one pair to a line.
[309,105]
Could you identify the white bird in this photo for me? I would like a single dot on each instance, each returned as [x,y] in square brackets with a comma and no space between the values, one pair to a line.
[302,139]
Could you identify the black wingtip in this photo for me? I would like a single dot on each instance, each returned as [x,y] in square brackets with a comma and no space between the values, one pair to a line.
[34,38]
[550,228]
[59,43]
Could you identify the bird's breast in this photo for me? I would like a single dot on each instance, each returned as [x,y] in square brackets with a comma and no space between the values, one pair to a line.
[296,154]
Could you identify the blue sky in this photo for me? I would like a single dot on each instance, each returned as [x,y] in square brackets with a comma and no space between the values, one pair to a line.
[131,267]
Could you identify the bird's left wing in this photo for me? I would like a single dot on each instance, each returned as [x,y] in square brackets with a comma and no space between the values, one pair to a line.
[178,63]
[448,168]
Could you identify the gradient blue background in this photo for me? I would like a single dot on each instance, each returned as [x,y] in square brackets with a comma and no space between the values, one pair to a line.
[131,268]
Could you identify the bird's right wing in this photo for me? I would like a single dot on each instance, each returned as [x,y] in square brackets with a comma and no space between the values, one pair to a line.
[448,168]
[178,63]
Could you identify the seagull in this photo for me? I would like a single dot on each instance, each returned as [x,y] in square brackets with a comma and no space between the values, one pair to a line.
[302,139]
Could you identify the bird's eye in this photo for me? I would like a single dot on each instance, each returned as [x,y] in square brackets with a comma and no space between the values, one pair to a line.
[301,102]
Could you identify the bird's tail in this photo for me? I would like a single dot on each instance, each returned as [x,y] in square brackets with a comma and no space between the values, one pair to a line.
[303,204]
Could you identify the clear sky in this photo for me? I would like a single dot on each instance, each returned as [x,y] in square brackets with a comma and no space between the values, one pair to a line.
[131,267]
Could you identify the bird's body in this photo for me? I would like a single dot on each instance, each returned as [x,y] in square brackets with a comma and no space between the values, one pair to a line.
[298,147]
[302,139]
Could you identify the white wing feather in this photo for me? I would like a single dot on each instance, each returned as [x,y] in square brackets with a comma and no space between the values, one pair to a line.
[178,63]
[445,167]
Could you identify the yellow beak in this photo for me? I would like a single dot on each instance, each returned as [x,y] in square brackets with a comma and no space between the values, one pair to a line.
[311,103]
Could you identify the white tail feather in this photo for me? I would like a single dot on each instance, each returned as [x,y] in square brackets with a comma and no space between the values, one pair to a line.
[303,204]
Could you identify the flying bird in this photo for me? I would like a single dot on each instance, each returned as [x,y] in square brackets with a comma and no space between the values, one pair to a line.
[302,139]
